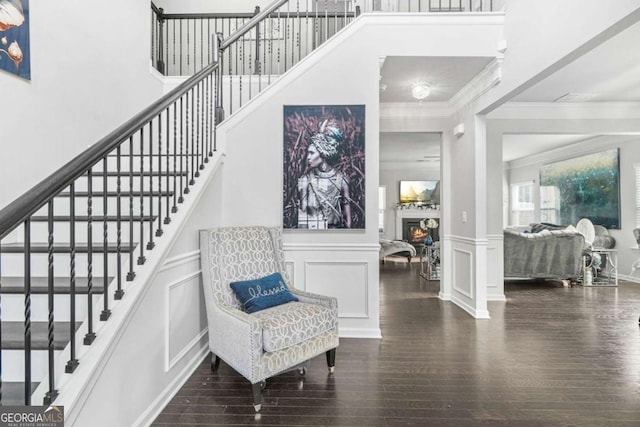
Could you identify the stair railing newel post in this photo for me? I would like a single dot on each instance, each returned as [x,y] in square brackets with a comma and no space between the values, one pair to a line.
[27,311]
[72,363]
[104,315]
[119,292]
[90,336]
[50,395]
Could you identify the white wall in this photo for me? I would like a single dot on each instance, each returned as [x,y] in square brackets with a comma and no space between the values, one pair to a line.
[529,170]
[544,35]
[89,73]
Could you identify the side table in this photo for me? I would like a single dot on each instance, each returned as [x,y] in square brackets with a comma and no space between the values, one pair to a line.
[430,262]
[604,273]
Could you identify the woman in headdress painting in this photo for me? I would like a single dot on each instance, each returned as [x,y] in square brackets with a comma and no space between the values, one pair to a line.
[324,190]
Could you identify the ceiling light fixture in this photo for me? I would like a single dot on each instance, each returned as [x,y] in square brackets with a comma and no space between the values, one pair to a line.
[420,90]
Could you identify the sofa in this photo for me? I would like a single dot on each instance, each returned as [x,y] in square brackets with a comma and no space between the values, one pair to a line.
[543,253]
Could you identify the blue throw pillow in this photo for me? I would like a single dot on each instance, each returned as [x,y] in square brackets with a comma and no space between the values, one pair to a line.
[266,292]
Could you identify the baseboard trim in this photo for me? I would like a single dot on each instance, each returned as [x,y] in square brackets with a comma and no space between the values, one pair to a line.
[360,333]
[476,314]
[163,399]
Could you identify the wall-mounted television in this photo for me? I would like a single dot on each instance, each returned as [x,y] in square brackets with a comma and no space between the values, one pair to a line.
[420,192]
[583,187]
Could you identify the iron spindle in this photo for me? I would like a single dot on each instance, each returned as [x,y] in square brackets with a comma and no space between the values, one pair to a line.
[51,394]
[141,258]
[159,230]
[167,219]
[72,363]
[173,48]
[181,198]
[131,274]
[174,209]
[192,181]
[201,44]
[195,46]
[198,139]
[150,244]
[181,56]
[119,292]
[257,60]
[27,312]
[186,145]
[104,315]
[90,335]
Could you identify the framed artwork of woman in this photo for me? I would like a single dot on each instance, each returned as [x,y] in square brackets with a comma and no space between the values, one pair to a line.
[324,167]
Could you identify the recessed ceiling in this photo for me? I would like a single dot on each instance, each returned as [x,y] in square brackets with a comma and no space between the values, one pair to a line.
[446,75]
[413,147]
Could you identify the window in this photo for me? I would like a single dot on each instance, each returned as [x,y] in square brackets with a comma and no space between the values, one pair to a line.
[382,204]
[522,203]
[550,204]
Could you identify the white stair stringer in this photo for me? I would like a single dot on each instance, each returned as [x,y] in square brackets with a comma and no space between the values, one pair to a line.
[75,389]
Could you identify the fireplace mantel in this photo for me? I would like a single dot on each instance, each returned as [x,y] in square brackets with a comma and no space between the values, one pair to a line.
[413,213]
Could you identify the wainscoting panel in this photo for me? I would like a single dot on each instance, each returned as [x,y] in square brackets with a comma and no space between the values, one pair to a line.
[346,280]
[463,280]
[495,268]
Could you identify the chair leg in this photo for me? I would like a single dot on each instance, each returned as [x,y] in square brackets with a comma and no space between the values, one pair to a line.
[215,362]
[331,359]
[257,395]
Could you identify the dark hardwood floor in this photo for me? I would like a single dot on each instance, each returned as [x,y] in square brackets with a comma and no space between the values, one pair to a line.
[550,356]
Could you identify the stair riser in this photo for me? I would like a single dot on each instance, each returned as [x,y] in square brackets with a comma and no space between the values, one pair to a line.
[13,365]
[13,264]
[13,307]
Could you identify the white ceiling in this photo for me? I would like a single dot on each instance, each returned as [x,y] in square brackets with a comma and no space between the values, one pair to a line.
[609,72]
[421,147]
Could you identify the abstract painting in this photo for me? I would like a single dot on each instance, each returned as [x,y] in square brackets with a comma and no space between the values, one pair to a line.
[583,187]
[15,54]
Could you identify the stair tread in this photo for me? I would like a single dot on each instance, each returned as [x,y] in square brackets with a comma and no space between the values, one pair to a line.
[64,248]
[85,218]
[13,335]
[13,393]
[40,285]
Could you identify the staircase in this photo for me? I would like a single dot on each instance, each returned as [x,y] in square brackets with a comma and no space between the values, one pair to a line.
[75,246]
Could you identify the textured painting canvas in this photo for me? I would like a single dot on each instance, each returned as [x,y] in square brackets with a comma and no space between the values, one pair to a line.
[324,167]
[583,187]
[15,56]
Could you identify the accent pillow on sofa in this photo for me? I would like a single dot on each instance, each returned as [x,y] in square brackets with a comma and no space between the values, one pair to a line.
[262,293]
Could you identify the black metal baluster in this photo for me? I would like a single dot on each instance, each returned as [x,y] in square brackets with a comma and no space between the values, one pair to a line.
[27,312]
[159,230]
[119,292]
[104,315]
[131,274]
[151,244]
[181,198]
[195,47]
[180,58]
[90,336]
[193,119]
[201,44]
[187,47]
[210,116]
[186,145]
[198,130]
[72,363]
[50,395]
[141,258]
[174,209]
[173,22]
[167,219]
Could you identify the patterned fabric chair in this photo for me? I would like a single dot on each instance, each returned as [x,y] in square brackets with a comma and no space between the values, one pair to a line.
[268,342]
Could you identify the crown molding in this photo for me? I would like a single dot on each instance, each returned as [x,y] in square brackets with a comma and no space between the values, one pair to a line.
[489,77]
[566,110]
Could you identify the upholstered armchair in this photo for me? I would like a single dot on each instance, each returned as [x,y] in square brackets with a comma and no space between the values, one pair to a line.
[270,341]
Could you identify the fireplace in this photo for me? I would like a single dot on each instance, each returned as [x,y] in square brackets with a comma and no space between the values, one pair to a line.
[414,234]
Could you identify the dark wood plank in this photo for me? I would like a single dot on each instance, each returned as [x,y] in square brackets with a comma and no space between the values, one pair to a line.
[550,356]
